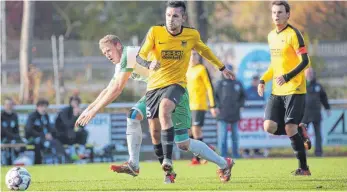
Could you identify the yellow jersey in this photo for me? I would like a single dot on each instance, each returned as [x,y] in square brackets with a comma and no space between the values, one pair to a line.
[288,58]
[199,88]
[173,53]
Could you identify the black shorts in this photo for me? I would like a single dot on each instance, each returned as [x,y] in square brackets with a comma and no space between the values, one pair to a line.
[153,98]
[198,117]
[288,109]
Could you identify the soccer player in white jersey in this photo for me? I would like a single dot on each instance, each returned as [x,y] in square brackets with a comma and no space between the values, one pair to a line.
[124,58]
[126,67]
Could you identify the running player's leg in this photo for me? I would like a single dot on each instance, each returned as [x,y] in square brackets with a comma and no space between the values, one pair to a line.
[134,139]
[182,121]
[274,116]
[154,128]
[162,140]
[198,117]
[134,130]
[171,96]
[294,105]
[302,129]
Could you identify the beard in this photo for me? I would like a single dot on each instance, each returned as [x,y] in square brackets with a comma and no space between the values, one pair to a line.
[171,27]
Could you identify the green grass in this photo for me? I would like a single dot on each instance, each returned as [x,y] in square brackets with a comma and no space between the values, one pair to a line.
[248,174]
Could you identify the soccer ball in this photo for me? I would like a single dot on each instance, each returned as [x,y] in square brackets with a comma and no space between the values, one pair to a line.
[18,179]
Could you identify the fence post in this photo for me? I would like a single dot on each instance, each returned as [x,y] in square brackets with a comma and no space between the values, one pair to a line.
[55,69]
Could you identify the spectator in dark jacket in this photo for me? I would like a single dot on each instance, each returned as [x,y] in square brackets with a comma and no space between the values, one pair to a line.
[9,132]
[315,98]
[39,132]
[9,123]
[230,98]
[65,125]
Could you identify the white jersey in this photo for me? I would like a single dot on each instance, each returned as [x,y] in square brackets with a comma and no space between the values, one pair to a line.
[128,64]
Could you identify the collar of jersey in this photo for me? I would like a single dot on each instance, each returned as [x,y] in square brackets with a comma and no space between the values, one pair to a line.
[278,32]
[175,34]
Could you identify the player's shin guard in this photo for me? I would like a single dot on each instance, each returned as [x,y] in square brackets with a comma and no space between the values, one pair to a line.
[299,149]
[199,148]
[134,140]
[158,150]
[167,139]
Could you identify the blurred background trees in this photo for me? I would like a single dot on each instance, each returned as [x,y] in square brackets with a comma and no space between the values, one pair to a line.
[83,23]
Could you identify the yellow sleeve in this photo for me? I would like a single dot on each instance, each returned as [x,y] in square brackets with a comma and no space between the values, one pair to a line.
[207,53]
[268,75]
[146,48]
[208,84]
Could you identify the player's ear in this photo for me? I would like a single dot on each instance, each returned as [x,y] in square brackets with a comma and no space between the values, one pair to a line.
[185,17]
[119,46]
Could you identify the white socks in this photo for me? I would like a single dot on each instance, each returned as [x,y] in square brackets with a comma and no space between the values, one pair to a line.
[134,140]
[199,148]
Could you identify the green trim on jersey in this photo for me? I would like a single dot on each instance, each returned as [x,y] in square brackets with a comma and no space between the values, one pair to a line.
[124,58]
[126,70]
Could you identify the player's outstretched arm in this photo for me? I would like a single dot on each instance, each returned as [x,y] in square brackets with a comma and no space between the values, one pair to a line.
[102,93]
[90,106]
[207,53]
[112,93]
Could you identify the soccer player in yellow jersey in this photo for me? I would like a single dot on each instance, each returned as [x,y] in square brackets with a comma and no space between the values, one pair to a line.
[171,46]
[285,107]
[200,92]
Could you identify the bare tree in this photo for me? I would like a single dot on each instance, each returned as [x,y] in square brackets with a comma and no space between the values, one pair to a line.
[70,25]
[25,48]
[197,18]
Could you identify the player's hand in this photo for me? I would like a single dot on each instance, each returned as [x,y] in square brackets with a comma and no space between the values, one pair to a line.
[280,80]
[155,65]
[261,89]
[84,113]
[214,112]
[228,74]
[86,118]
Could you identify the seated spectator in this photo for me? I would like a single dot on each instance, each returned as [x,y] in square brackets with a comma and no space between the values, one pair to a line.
[67,134]
[9,131]
[39,132]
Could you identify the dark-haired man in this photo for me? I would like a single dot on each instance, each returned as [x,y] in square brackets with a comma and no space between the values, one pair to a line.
[171,45]
[39,131]
[285,107]
[65,123]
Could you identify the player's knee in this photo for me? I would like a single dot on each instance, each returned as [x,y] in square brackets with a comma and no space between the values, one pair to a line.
[134,114]
[183,145]
[270,126]
[166,108]
[164,114]
[291,129]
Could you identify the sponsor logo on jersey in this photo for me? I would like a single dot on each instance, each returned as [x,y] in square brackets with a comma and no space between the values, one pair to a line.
[172,54]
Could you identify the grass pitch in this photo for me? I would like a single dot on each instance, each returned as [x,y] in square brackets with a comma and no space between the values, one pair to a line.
[248,174]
